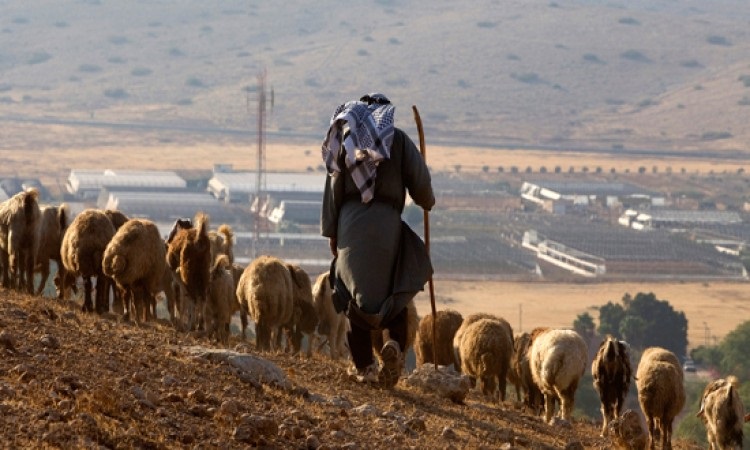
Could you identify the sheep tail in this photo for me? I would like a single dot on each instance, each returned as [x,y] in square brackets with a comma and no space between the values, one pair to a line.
[62,216]
[734,381]
[226,230]
[221,263]
[29,202]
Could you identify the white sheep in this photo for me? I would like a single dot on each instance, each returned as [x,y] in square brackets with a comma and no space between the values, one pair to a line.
[331,324]
[661,392]
[486,347]
[19,239]
[558,360]
[265,288]
[722,413]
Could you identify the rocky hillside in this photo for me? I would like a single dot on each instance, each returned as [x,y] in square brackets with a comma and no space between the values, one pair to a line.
[73,380]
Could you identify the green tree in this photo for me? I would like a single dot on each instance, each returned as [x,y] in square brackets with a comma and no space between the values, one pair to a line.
[584,326]
[735,350]
[632,329]
[610,316]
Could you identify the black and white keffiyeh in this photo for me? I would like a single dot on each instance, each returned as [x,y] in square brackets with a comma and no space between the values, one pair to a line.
[368,140]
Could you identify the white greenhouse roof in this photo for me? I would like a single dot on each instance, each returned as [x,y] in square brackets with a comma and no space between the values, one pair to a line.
[80,180]
[275,181]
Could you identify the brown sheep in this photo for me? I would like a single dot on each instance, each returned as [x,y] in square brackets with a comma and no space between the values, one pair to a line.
[521,368]
[222,242]
[331,324]
[661,392]
[189,257]
[134,259]
[82,251]
[612,372]
[723,414]
[464,324]
[446,323]
[265,290]
[117,218]
[486,347]
[221,300]
[305,318]
[626,431]
[19,239]
[53,223]
[237,271]
[558,360]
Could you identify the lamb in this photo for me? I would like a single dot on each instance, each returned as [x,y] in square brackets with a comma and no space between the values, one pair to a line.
[53,223]
[723,414]
[558,360]
[446,323]
[330,323]
[521,367]
[135,259]
[611,370]
[305,318]
[661,392]
[189,258]
[19,239]
[265,290]
[221,300]
[82,251]
[486,347]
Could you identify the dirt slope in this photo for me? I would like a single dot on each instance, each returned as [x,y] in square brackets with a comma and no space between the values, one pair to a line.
[73,380]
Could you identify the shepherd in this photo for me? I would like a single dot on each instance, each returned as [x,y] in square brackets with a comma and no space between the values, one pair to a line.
[379,263]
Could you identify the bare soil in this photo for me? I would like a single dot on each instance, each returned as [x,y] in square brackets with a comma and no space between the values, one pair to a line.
[74,380]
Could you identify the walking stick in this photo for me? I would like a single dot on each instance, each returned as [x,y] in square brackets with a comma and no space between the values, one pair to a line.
[426,221]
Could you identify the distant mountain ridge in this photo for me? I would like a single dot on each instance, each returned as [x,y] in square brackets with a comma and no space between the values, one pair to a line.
[621,74]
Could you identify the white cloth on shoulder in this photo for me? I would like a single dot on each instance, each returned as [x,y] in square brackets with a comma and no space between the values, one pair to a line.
[366,142]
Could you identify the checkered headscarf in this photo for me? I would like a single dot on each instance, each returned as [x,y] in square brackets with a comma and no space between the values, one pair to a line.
[367,128]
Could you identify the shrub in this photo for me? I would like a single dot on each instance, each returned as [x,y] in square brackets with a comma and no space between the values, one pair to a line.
[628,21]
[691,64]
[117,93]
[38,58]
[715,135]
[715,39]
[634,55]
[592,58]
[174,51]
[195,82]
[529,78]
[89,68]
[141,72]
[486,24]
[116,60]
[118,40]
[745,80]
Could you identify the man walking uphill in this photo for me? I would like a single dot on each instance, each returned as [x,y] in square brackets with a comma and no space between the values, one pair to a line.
[379,263]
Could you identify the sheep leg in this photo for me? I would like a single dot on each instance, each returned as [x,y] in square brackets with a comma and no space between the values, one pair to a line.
[102,294]
[651,431]
[30,262]
[665,425]
[243,320]
[262,335]
[88,305]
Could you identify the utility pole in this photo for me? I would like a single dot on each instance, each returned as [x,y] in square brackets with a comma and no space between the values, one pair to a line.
[260,201]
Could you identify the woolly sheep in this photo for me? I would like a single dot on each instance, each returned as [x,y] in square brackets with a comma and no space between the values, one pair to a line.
[661,392]
[52,226]
[135,259]
[486,347]
[189,258]
[221,299]
[558,360]
[331,324]
[237,271]
[222,242]
[82,251]
[722,413]
[265,288]
[446,323]
[521,367]
[305,318]
[461,330]
[611,370]
[19,239]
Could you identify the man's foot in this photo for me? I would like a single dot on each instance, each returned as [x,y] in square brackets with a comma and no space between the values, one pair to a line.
[392,364]
[367,375]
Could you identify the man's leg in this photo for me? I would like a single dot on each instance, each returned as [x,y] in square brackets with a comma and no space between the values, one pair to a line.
[360,346]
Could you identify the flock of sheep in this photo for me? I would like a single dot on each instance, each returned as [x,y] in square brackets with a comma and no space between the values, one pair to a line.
[546,366]
[193,270]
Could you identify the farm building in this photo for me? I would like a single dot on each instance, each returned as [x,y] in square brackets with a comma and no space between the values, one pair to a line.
[240,187]
[676,220]
[555,196]
[168,205]
[305,212]
[86,184]
[595,250]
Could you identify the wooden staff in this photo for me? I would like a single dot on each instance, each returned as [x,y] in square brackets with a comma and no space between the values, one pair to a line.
[426,221]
